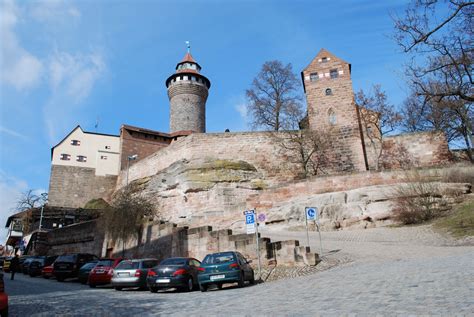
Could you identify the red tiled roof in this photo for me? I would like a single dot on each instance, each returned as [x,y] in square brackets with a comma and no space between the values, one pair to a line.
[188,58]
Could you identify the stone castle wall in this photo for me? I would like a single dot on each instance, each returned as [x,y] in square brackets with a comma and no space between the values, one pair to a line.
[79,238]
[415,149]
[73,187]
[256,148]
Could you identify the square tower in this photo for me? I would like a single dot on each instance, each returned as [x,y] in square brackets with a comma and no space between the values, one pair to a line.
[331,108]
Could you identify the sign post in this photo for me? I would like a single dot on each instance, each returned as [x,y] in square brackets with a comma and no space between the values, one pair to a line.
[311,213]
[252,227]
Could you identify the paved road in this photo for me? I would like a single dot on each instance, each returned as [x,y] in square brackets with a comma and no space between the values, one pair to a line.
[439,282]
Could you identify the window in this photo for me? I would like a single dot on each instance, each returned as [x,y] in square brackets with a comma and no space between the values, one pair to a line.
[324,59]
[313,76]
[65,157]
[334,73]
[328,92]
[81,158]
[103,157]
[107,147]
[75,142]
[332,117]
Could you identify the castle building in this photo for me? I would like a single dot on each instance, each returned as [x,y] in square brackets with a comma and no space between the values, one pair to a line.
[331,107]
[83,164]
[187,92]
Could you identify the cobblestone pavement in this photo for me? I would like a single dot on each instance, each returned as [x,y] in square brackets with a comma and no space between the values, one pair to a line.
[394,271]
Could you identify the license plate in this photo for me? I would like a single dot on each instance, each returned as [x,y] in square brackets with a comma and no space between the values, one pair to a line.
[163,280]
[217,277]
[62,266]
[123,274]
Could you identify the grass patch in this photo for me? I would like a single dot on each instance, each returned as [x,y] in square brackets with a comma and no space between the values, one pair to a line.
[460,221]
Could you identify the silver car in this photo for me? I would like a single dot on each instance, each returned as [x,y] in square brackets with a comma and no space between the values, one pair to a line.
[132,273]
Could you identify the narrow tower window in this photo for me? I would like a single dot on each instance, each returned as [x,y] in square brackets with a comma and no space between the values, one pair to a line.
[324,59]
[65,157]
[332,117]
[334,73]
[75,142]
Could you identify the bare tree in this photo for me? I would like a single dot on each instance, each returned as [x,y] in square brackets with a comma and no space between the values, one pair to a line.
[126,216]
[30,200]
[378,119]
[307,148]
[274,99]
[440,34]
[453,116]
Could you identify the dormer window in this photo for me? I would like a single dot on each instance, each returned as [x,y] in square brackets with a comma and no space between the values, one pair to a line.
[334,73]
[328,91]
[81,158]
[75,142]
[313,76]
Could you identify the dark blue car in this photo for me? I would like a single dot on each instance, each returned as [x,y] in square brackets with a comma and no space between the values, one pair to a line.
[224,267]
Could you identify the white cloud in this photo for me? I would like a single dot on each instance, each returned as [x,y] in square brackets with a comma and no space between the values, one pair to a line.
[11,190]
[54,11]
[18,67]
[12,132]
[71,79]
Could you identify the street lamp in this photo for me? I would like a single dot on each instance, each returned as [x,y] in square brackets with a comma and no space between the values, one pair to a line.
[130,158]
[44,197]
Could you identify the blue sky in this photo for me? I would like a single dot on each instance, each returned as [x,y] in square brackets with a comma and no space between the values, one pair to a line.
[65,63]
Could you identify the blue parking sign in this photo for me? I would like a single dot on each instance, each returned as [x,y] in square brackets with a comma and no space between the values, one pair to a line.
[249,219]
[311,213]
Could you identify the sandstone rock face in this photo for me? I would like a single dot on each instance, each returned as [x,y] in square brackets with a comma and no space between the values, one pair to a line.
[216,192]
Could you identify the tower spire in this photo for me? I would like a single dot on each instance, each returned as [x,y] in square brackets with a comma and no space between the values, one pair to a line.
[188,45]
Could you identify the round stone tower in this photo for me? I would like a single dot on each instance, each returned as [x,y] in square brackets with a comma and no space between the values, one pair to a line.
[187,91]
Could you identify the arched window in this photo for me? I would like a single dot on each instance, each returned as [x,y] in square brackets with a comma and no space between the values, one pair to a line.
[328,91]
[332,117]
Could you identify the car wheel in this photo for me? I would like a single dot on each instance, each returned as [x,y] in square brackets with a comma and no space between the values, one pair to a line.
[203,288]
[241,280]
[219,286]
[154,289]
[189,285]
[92,285]
[60,279]
[117,288]
[252,279]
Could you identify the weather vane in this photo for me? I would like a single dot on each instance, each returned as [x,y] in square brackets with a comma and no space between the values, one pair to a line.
[188,45]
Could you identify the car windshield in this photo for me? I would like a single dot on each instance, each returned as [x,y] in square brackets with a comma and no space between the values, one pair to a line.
[105,263]
[219,258]
[174,261]
[128,265]
[66,258]
[89,265]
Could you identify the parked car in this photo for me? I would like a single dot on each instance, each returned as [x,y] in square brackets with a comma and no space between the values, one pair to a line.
[85,270]
[37,265]
[6,264]
[3,298]
[25,265]
[224,267]
[47,271]
[68,265]
[180,273]
[132,273]
[103,272]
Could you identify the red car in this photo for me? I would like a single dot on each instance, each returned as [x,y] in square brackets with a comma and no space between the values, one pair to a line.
[47,271]
[3,298]
[103,272]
